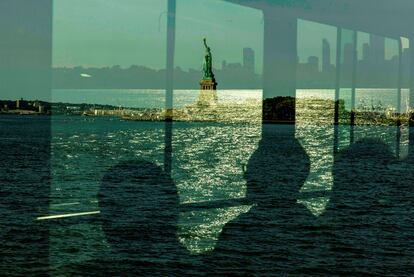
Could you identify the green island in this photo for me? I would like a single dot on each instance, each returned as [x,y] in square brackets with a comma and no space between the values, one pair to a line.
[250,111]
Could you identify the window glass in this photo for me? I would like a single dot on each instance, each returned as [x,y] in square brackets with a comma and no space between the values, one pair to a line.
[315,96]
[210,154]
[108,68]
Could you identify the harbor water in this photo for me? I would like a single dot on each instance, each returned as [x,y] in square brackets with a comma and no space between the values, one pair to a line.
[335,201]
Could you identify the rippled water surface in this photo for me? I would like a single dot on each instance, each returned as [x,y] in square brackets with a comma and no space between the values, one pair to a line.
[141,98]
[205,196]
[208,166]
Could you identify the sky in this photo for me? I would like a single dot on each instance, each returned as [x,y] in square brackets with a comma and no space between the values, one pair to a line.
[126,32]
[111,32]
[96,33]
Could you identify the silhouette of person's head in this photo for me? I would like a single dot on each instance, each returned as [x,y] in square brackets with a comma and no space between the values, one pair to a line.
[366,213]
[256,242]
[277,169]
[139,209]
[362,177]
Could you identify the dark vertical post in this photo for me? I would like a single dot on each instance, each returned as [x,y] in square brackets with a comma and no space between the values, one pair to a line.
[354,76]
[411,107]
[354,69]
[411,57]
[400,73]
[25,49]
[338,72]
[170,55]
[169,84]
[168,146]
[337,86]
[280,54]
[25,71]
[399,108]
[279,67]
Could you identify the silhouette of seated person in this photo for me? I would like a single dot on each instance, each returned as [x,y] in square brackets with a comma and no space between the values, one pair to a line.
[368,231]
[268,239]
[139,209]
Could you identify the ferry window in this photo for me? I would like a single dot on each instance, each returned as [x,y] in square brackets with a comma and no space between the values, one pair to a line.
[109,60]
[315,95]
[206,137]
[379,91]
[209,158]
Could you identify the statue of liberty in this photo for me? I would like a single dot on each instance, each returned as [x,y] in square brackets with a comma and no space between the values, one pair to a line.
[208,83]
[208,61]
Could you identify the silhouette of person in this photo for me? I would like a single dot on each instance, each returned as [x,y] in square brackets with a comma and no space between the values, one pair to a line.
[267,240]
[139,209]
[369,232]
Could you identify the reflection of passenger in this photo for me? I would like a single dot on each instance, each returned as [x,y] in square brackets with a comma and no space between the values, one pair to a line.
[139,209]
[370,230]
[268,240]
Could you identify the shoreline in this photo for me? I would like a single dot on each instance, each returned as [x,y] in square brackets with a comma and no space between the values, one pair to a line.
[309,110]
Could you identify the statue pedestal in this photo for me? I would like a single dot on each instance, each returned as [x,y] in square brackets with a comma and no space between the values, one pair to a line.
[208,84]
[208,93]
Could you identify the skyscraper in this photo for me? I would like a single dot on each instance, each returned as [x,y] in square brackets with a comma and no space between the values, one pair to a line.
[248,59]
[326,56]
[349,54]
[313,64]
[347,67]
[377,65]
[377,49]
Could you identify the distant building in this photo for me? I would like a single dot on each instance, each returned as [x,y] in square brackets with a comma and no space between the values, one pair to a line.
[248,59]
[349,54]
[6,105]
[313,63]
[326,56]
[21,104]
[40,106]
[377,49]
[378,67]
[348,64]
[232,66]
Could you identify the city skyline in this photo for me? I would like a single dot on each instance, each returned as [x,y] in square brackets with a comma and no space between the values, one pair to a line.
[373,68]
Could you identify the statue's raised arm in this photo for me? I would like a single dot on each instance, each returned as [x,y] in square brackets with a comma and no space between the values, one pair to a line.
[205,43]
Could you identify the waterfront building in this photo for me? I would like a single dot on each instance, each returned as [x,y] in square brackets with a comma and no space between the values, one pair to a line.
[248,60]
[21,104]
[326,56]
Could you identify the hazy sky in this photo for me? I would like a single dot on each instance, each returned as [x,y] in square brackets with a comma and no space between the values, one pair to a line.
[110,32]
[126,32]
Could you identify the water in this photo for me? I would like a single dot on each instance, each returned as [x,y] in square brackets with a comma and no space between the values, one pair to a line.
[348,212]
[140,98]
